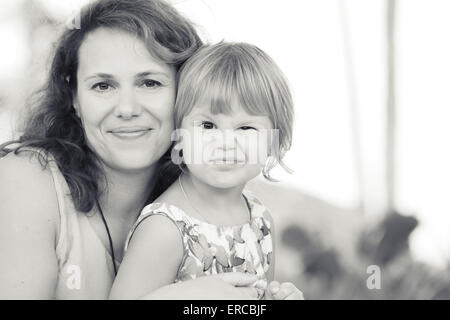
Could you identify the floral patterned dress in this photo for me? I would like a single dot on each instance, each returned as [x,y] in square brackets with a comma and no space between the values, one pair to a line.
[211,249]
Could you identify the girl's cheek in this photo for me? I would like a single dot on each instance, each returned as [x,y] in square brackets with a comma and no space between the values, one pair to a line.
[196,146]
[255,147]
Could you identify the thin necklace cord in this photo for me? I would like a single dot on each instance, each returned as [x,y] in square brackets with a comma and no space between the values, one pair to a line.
[109,237]
[188,200]
[198,211]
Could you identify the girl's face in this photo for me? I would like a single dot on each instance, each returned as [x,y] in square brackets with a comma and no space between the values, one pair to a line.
[224,150]
[125,100]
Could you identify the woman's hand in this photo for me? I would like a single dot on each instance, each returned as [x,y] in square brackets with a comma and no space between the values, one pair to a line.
[223,286]
[284,291]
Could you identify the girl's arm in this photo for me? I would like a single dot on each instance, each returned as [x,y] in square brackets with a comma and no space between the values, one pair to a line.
[28,227]
[151,261]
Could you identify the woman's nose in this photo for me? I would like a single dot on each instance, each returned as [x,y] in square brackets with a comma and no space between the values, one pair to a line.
[127,106]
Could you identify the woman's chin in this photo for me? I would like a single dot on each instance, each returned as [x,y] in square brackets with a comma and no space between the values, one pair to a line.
[132,162]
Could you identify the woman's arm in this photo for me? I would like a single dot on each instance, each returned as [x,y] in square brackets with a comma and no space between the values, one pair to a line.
[222,286]
[28,223]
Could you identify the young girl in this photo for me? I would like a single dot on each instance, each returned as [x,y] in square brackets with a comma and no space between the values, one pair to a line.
[233,116]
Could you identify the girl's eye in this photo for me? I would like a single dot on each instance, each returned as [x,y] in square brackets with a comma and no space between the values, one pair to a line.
[207,125]
[101,86]
[151,83]
[247,128]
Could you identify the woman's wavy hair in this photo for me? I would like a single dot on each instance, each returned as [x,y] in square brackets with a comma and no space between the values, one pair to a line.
[53,127]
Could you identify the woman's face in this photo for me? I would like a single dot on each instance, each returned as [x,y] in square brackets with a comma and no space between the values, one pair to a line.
[125,100]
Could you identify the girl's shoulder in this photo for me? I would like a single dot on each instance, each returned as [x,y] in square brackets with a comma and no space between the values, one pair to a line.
[170,203]
[251,197]
[257,208]
[163,208]
[168,219]
[173,209]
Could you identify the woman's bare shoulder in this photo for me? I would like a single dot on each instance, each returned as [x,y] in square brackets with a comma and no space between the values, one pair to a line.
[25,172]
[29,220]
[27,190]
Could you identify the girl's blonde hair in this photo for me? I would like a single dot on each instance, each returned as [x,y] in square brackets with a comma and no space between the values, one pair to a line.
[217,74]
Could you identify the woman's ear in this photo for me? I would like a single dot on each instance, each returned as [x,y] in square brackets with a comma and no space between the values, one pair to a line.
[76,106]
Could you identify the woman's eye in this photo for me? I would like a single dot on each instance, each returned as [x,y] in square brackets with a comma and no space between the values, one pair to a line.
[101,86]
[207,125]
[151,83]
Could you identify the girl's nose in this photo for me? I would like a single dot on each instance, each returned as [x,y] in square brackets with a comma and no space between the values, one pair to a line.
[228,139]
[127,105]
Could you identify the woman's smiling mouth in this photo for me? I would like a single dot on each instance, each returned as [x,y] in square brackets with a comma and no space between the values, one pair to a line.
[132,132]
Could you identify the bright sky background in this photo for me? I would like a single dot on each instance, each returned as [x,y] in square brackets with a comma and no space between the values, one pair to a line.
[306,38]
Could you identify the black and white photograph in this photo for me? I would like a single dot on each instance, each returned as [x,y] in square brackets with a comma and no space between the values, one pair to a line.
[224,150]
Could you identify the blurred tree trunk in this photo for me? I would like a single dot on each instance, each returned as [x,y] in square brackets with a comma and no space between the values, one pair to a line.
[391,107]
[354,105]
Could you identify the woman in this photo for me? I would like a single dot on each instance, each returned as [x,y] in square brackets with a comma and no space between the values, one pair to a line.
[90,157]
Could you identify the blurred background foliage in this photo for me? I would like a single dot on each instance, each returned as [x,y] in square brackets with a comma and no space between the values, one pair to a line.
[326,251]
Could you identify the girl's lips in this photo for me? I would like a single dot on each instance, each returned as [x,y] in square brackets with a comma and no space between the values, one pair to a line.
[226,162]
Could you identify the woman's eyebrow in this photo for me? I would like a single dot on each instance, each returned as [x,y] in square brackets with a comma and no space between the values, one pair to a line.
[139,75]
[151,73]
[100,75]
